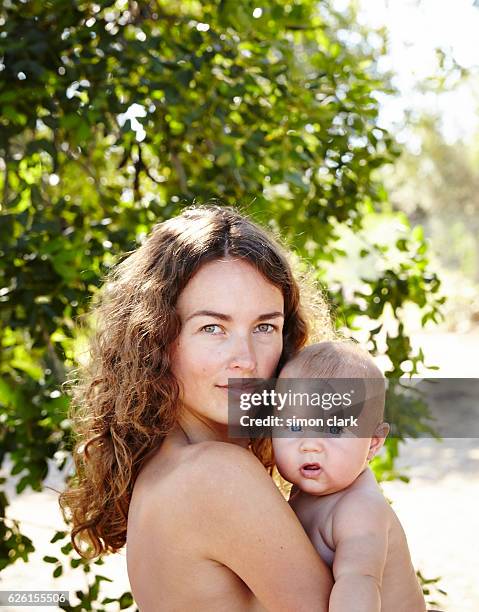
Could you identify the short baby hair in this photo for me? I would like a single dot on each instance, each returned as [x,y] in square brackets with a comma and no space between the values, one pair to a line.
[340,359]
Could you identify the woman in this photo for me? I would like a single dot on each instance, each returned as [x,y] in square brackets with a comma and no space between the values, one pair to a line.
[208,297]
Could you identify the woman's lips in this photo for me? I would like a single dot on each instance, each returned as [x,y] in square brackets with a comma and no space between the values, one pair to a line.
[239,388]
[310,470]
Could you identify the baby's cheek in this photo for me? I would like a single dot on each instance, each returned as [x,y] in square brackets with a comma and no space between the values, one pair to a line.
[283,459]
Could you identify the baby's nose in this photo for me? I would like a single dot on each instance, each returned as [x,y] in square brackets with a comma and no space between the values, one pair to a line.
[311,445]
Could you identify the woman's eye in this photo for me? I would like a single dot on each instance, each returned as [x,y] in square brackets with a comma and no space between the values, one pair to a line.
[296,428]
[265,328]
[211,329]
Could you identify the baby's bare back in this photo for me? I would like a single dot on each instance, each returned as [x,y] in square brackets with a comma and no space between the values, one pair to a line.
[399,587]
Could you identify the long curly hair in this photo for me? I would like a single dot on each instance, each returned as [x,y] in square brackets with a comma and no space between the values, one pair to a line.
[125,399]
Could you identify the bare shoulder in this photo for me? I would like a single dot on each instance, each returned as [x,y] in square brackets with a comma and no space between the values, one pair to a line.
[217,502]
[218,471]
[361,509]
[208,473]
[198,492]
[206,454]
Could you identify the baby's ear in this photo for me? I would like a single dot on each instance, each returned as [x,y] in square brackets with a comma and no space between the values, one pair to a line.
[378,439]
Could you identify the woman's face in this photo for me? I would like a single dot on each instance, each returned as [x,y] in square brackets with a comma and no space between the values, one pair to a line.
[231,327]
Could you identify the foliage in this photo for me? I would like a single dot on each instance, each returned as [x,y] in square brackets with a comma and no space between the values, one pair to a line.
[116,114]
[432,593]
[436,183]
[442,191]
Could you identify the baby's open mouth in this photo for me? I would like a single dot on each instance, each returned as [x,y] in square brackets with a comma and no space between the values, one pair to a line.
[310,469]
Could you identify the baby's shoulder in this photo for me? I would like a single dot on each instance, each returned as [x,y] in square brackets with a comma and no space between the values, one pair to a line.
[363,504]
[363,498]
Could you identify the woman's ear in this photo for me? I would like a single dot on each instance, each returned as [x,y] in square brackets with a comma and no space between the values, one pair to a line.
[378,438]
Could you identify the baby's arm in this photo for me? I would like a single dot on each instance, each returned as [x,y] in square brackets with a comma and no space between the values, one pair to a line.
[360,535]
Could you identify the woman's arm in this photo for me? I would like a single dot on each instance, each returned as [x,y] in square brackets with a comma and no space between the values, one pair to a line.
[247,526]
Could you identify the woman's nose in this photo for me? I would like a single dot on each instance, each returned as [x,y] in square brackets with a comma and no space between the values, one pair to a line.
[243,356]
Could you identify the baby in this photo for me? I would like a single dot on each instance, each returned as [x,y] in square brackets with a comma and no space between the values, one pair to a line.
[336,496]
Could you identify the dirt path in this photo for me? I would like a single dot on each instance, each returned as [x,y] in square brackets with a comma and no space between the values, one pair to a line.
[438,510]
[439,506]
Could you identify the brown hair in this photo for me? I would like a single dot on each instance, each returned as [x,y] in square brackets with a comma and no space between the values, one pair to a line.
[125,401]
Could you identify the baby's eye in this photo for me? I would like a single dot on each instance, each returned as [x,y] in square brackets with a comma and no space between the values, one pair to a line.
[265,328]
[212,328]
[335,430]
[296,428]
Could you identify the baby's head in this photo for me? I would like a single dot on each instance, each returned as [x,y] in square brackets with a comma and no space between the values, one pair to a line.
[330,462]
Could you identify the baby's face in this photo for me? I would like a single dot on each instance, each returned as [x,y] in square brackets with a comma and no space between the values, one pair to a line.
[321,465]
[323,461]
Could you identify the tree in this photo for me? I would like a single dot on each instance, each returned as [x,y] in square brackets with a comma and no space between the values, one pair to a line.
[114,115]
[438,186]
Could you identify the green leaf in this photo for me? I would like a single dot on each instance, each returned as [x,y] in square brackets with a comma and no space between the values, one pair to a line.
[58,571]
[58,536]
[125,601]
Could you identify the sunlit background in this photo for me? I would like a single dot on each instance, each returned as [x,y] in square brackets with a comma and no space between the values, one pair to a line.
[433,62]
